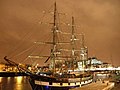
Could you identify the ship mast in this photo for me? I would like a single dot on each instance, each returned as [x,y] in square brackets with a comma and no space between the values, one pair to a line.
[73,38]
[54,45]
[83,52]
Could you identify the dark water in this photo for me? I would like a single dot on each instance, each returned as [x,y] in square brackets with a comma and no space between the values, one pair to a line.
[14,83]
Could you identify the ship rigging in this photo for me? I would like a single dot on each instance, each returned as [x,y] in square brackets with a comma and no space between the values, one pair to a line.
[61,73]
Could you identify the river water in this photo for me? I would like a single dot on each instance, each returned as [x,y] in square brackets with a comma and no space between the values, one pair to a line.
[14,83]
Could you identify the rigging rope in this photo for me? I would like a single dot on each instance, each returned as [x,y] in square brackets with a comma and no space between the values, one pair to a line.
[23,51]
[18,45]
[28,36]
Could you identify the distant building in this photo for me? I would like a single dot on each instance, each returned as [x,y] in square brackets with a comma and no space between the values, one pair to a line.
[2,66]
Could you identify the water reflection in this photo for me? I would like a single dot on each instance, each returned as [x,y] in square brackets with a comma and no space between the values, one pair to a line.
[8,80]
[0,79]
[19,79]
[14,83]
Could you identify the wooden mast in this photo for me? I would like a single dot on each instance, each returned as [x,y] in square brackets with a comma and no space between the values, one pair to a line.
[54,45]
[72,44]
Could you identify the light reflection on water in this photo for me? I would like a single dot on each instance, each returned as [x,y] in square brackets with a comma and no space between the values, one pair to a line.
[0,79]
[19,79]
[14,83]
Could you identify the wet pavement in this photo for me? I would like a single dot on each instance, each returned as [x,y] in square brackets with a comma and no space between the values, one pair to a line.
[96,86]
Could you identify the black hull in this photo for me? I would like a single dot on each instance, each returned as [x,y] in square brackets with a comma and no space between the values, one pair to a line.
[42,87]
[50,83]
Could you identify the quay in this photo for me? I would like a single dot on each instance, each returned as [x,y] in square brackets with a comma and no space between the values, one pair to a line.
[99,85]
[12,74]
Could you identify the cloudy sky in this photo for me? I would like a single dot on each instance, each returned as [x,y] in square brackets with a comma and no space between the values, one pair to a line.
[99,20]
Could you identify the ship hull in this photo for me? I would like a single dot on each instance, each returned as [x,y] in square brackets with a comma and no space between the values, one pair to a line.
[48,83]
[48,87]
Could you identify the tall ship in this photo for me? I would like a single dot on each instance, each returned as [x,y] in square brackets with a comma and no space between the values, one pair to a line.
[63,71]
